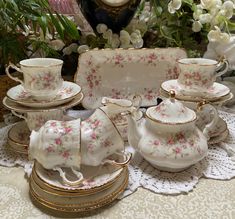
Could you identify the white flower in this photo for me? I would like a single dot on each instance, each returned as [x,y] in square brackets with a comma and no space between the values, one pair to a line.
[197,26]
[227,9]
[174,5]
[115,42]
[101,28]
[108,35]
[209,4]
[138,44]
[205,18]
[217,36]
[197,13]
[69,49]
[56,44]
[83,48]
[124,37]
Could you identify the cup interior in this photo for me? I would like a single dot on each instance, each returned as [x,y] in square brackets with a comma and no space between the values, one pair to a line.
[198,61]
[41,62]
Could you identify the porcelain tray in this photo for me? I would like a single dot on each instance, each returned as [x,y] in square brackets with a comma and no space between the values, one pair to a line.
[123,73]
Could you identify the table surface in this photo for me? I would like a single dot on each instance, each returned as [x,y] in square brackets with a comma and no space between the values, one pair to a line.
[210,199]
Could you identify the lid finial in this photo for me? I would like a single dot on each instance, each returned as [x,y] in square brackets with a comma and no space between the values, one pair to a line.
[172,94]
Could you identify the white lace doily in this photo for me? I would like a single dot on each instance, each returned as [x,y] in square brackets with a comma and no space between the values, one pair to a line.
[219,164]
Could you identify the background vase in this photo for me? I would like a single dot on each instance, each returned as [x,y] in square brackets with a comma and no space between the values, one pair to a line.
[115,14]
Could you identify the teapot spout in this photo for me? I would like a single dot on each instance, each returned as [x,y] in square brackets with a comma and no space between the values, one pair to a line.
[134,132]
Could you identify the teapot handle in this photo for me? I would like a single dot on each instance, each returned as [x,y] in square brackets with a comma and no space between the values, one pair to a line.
[67,181]
[211,125]
[127,158]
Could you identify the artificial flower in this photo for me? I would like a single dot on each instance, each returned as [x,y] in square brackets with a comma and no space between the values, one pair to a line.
[174,5]
[197,26]
[217,36]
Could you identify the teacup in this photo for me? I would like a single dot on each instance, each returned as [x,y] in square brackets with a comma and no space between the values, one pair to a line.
[42,77]
[36,119]
[60,144]
[198,74]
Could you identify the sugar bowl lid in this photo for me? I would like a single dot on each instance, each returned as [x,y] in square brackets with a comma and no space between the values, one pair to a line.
[171,111]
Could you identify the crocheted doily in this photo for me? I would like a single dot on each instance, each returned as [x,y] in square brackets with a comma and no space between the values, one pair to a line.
[219,164]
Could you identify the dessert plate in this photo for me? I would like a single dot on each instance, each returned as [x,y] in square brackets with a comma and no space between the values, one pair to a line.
[80,204]
[68,91]
[216,92]
[18,137]
[120,74]
[95,179]
[12,105]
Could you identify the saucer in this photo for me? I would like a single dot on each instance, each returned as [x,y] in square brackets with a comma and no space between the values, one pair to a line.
[68,91]
[96,179]
[219,138]
[12,105]
[18,137]
[216,92]
[77,205]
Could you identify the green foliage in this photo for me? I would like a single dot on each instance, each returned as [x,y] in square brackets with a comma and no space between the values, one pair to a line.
[17,16]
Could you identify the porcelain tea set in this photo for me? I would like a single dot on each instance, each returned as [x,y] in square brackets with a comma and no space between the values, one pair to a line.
[172,135]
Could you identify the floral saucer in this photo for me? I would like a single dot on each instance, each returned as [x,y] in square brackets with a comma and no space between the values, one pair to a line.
[12,105]
[18,137]
[219,138]
[68,91]
[75,204]
[217,91]
[95,179]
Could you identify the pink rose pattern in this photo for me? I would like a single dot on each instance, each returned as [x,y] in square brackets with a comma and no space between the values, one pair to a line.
[94,80]
[97,137]
[62,129]
[177,145]
[45,81]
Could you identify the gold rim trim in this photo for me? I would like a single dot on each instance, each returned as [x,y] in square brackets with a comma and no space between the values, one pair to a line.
[80,192]
[190,98]
[75,101]
[80,207]
[38,102]
[94,189]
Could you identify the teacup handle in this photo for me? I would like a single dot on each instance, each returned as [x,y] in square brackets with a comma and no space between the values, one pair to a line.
[221,68]
[19,115]
[17,69]
[67,181]
[210,126]
[127,159]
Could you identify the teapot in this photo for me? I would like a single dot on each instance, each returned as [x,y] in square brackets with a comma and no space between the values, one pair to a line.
[168,137]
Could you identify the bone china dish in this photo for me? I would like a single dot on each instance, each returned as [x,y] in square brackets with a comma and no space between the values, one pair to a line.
[121,74]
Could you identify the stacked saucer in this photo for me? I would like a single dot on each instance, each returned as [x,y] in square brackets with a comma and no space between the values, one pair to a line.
[217,95]
[101,186]
[37,112]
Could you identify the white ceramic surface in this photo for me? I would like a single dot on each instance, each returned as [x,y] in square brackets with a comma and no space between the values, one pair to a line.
[35,120]
[124,73]
[168,137]
[220,138]
[42,76]
[68,91]
[82,203]
[216,92]
[12,105]
[18,137]
[199,74]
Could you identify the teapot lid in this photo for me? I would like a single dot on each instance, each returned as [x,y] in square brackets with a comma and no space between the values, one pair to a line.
[171,111]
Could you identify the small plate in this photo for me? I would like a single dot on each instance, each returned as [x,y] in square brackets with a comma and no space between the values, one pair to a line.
[68,91]
[96,178]
[219,138]
[12,105]
[18,137]
[217,91]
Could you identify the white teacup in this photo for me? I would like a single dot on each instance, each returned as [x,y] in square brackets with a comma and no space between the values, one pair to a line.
[35,120]
[198,74]
[42,77]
